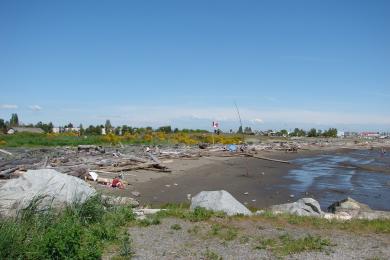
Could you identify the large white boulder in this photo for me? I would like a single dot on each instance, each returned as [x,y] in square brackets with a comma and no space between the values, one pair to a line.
[219,201]
[54,188]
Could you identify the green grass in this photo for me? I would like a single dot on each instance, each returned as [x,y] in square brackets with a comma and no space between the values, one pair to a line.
[176,227]
[286,245]
[223,232]
[80,231]
[211,255]
[34,140]
[181,211]
[355,225]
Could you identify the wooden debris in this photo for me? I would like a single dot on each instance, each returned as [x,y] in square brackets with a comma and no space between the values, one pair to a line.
[5,152]
[266,158]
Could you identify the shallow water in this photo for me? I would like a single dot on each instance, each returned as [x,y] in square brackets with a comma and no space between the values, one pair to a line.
[363,175]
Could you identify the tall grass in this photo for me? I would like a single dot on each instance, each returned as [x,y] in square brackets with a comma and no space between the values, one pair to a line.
[77,232]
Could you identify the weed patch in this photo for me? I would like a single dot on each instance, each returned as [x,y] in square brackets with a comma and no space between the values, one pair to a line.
[210,255]
[225,233]
[77,232]
[355,225]
[176,227]
[286,245]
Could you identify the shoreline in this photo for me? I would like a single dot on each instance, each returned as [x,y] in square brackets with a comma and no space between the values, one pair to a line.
[256,190]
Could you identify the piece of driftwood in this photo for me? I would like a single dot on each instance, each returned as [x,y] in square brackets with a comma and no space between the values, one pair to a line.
[141,166]
[7,173]
[154,158]
[113,173]
[266,158]
[135,158]
[5,152]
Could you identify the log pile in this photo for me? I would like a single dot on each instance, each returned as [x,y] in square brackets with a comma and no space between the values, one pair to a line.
[79,161]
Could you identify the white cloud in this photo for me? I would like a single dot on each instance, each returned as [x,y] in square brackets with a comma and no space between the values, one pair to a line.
[8,106]
[257,121]
[35,108]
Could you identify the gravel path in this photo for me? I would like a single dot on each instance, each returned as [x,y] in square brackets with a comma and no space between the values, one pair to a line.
[196,241]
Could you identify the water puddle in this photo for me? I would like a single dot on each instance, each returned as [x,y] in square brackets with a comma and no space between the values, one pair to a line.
[362,175]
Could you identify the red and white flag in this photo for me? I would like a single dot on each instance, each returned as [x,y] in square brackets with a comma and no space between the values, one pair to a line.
[215,124]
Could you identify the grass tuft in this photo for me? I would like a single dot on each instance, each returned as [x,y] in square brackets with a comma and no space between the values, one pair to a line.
[77,232]
[286,245]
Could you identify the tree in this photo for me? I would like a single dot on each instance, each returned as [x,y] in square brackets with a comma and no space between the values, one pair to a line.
[70,125]
[283,132]
[48,128]
[239,130]
[108,126]
[312,133]
[82,131]
[298,132]
[3,126]
[247,130]
[331,132]
[14,121]
[165,129]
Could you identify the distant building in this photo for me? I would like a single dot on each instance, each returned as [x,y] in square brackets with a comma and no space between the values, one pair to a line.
[72,129]
[103,131]
[35,130]
[370,134]
[350,134]
[56,130]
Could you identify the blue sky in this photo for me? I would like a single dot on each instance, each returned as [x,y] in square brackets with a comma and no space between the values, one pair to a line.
[286,63]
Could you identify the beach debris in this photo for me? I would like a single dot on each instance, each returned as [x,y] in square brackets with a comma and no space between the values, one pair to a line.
[302,207]
[232,148]
[142,213]
[5,152]
[117,182]
[119,201]
[265,158]
[49,187]
[93,175]
[246,193]
[220,200]
[203,145]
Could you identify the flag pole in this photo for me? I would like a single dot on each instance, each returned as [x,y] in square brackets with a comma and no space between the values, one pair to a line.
[212,133]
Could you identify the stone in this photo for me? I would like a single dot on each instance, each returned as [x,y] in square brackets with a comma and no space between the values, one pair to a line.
[52,188]
[356,210]
[135,193]
[302,207]
[119,201]
[220,200]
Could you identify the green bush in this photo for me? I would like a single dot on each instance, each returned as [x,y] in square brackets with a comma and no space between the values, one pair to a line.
[77,232]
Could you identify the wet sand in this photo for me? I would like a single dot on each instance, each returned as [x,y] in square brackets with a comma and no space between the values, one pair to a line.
[254,182]
[261,180]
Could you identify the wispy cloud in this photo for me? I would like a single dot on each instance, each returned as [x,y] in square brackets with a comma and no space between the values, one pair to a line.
[35,108]
[8,106]
[257,121]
